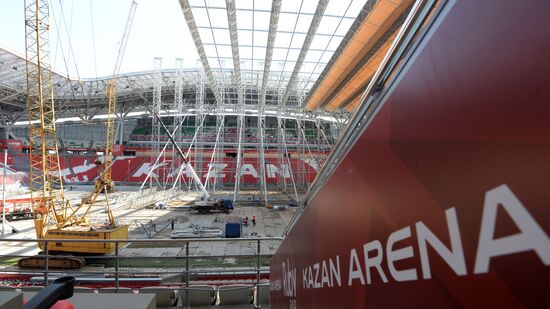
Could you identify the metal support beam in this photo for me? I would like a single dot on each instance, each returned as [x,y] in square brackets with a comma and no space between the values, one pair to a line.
[286,156]
[321,6]
[238,165]
[273,23]
[199,124]
[178,118]
[233,33]
[261,136]
[190,20]
[178,91]
[218,153]
[234,37]
[157,105]
[194,175]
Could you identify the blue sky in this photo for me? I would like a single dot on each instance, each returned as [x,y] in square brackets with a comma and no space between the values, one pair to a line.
[159,30]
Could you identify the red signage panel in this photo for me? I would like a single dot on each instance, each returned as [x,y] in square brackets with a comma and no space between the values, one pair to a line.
[444,201]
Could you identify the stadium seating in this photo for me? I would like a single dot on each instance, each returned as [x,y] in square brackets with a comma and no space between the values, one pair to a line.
[199,295]
[234,295]
[165,296]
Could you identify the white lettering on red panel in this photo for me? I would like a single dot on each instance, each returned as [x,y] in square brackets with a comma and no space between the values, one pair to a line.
[366,265]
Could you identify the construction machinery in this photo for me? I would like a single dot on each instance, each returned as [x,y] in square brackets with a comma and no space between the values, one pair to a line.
[104,182]
[220,205]
[20,208]
[54,216]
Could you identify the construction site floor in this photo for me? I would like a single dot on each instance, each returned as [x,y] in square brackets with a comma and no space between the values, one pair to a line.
[149,223]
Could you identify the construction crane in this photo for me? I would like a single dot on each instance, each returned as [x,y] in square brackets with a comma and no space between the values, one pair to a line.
[104,182]
[54,216]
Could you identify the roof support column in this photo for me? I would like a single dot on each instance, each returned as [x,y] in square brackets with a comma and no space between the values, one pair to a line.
[286,157]
[273,23]
[177,122]
[233,34]
[155,126]
[200,117]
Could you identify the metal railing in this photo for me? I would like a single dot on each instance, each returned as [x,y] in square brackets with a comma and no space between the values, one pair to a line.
[120,243]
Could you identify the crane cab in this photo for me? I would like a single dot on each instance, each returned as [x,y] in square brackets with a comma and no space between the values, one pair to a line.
[85,233]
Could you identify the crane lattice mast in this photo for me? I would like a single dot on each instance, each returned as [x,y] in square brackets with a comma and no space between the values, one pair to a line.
[46,182]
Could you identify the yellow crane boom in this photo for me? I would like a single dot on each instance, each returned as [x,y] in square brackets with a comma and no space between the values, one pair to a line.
[104,182]
[54,217]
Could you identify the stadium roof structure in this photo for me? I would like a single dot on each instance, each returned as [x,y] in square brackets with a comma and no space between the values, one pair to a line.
[257,57]
[85,99]
[278,44]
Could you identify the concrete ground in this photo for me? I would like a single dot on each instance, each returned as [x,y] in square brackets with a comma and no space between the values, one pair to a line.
[148,223]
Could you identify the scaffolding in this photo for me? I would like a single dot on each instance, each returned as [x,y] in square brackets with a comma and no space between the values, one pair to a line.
[155,126]
[248,149]
[240,116]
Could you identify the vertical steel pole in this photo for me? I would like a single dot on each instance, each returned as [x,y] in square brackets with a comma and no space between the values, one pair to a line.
[46,268]
[157,107]
[4,192]
[258,265]
[116,267]
[200,118]
[178,120]
[187,274]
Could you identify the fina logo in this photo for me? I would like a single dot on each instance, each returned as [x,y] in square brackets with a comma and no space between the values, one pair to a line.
[289,283]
